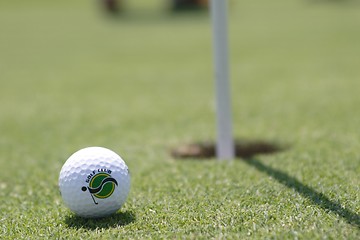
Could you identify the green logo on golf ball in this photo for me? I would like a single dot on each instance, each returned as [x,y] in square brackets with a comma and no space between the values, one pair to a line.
[101,185]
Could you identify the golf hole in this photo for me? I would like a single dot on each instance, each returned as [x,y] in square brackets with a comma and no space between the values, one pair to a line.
[243,149]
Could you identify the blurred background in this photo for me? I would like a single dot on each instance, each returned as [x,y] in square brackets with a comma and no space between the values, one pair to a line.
[75,70]
[148,62]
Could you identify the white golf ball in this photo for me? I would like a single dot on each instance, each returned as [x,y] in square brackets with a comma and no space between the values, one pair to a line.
[94,182]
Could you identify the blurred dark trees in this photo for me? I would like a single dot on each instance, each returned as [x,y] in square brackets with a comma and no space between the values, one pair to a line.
[189,4]
[115,6]
[112,6]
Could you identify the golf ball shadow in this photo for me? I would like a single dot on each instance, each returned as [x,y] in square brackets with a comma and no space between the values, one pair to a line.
[118,219]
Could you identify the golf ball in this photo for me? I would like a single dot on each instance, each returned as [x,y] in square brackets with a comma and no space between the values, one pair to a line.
[94,182]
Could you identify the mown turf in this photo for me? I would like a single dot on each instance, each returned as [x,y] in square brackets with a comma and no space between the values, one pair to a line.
[141,84]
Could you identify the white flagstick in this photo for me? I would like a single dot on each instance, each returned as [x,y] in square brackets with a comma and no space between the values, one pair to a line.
[225,142]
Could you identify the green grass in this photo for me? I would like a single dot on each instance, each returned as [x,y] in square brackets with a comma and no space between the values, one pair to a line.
[142,83]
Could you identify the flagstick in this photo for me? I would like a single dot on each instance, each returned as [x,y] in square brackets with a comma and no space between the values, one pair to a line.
[225,142]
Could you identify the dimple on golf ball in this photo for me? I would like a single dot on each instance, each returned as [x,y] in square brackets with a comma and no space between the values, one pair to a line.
[94,182]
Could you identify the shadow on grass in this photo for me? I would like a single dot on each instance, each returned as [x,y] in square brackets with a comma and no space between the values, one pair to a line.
[247,151]
[317,198]
[116,220]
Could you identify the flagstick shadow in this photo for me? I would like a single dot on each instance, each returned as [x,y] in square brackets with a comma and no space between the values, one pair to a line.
[317,198]
[118,219]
